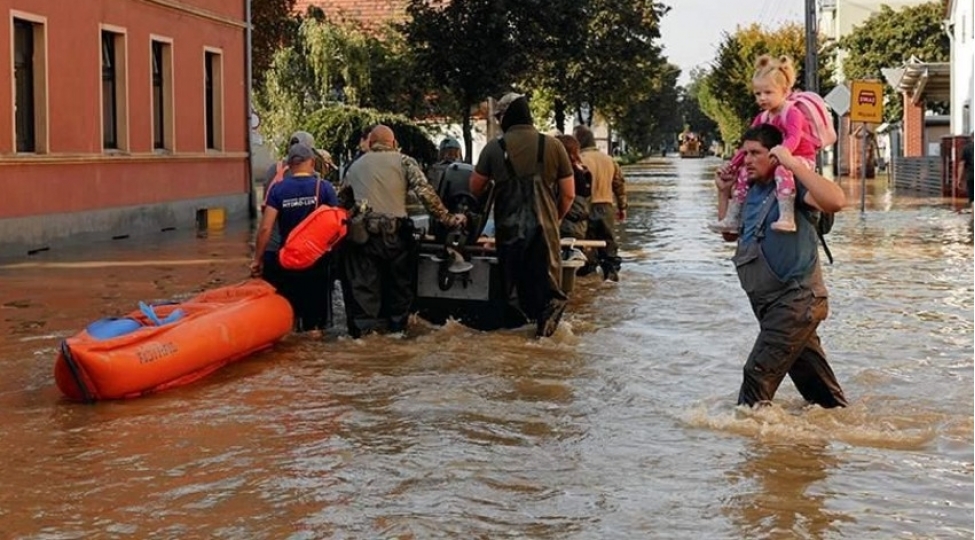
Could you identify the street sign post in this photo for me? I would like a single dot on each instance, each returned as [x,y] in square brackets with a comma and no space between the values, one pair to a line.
[838,100]
[867,102]
[867,106]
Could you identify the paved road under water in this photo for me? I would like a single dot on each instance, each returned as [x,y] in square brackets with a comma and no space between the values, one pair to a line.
[621,426]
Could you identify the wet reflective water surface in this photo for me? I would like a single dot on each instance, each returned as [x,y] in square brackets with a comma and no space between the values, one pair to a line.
[622,425]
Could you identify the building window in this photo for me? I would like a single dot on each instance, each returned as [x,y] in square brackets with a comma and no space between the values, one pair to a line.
[30,85]
[114,90]
[162,95]
[213,98]
[109,92]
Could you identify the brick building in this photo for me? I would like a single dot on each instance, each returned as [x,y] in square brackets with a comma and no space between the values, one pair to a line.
[124,116]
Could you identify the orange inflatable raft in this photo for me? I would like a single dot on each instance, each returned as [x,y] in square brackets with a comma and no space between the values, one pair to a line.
[165,346]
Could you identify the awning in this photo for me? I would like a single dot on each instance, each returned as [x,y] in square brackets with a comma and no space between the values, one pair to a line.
[922,81]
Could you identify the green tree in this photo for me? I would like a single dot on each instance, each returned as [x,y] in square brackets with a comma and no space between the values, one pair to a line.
[274,27]
[725,94]
[890,38]
[691,113]
[467,49]
[599,53]
[621,59]
[337,127]
[654,121]
[335,63]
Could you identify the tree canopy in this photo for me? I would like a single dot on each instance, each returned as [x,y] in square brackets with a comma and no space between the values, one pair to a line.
[691,113]
[585,56]
[592,55]
[331,63]
[274,27]
[888,39]
[654,121]
[466,48]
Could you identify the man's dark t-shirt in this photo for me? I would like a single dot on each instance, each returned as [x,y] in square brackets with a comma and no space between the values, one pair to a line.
[294,199]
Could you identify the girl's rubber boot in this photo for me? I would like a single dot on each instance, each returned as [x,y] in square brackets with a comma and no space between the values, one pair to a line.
[730,222]
[787,215]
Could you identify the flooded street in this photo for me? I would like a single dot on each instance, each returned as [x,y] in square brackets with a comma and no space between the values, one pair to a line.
[622,425]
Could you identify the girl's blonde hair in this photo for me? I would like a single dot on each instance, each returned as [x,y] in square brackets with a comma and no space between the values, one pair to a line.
[779,70]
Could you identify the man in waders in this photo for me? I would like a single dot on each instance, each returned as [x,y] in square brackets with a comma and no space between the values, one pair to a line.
[607,202]
[781,274]
[528,168]
[380,267]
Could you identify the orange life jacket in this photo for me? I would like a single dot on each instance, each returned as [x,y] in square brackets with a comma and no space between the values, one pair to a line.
[315,236]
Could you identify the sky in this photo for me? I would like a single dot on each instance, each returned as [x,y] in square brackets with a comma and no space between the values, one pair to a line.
[692,30]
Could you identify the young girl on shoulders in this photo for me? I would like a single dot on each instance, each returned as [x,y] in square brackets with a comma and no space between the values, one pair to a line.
[772,85]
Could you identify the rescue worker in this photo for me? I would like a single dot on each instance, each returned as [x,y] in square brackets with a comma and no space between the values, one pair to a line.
[449,152]
[323,166]
[361,149]
[289,202]
[607,184]
[528,168]
[379,280]
[279,171]
[781,274]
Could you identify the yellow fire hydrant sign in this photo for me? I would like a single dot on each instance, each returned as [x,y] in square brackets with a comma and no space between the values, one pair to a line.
[867,102]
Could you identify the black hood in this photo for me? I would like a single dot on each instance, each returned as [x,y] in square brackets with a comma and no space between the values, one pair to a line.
[517,114]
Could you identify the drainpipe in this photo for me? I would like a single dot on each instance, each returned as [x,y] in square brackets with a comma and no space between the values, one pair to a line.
[948,28]
[248,75]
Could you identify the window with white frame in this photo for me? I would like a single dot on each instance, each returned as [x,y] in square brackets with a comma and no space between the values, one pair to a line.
[30,84]
[213,98]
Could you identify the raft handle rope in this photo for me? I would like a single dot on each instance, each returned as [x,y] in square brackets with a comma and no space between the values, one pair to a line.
[76,372]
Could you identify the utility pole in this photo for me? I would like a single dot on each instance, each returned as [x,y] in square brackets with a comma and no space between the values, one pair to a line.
[812,49]
[812,61]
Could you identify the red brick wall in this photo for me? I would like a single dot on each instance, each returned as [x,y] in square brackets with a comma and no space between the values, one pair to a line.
[913,128]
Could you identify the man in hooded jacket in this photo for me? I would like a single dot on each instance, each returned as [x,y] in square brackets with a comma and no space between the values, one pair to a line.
[534,189]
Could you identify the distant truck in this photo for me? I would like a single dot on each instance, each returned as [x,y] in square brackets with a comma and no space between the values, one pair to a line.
[691,145]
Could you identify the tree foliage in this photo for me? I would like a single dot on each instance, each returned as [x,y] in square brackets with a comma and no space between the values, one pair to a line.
[888,39]
[274,27]
[467,49]
[599,53]
[337,128]
[621,60]
[692,114]
[725,94]
[336,63]
[655,120]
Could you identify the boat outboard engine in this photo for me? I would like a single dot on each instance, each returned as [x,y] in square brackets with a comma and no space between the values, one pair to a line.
[455,192]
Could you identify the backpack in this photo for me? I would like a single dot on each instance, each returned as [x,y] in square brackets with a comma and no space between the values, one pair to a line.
[823,224]
[818,117]
[315,236]
[822,134]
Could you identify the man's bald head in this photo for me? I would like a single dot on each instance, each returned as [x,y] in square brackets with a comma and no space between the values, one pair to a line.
[382,135]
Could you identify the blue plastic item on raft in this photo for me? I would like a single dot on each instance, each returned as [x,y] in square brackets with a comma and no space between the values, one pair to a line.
[112,327]
[150,313]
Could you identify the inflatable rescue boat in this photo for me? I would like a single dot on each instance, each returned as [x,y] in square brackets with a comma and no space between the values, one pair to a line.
[168,345]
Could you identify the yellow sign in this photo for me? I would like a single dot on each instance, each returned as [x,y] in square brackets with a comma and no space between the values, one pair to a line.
[867,102]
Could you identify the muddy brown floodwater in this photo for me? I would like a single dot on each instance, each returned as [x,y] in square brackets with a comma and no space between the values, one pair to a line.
[621,426]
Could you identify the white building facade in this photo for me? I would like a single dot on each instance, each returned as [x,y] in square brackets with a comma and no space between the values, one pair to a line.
[959,26]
